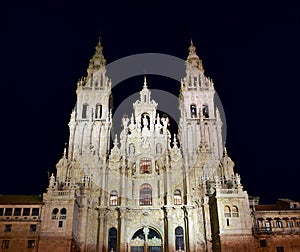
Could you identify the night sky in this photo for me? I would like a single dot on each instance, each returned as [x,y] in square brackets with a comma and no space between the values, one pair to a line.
[250,50]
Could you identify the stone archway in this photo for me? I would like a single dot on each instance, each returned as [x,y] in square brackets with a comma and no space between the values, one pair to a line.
[146,240]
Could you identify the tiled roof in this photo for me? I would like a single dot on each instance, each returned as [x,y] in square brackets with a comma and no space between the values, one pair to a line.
[20,199]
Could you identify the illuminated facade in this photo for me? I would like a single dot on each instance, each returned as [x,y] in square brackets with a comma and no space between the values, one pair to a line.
[150,190]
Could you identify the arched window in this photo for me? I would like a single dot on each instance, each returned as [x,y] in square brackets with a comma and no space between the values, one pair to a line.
[235,211]
[289,224]
[179,239]
[112,239]
[268,224]
[63,214]
[84,110]
[54,214]
[113,199]
[227,211]
[145,165]
[193,111]
[145,195]
[278,223]
[177,197]
[98,111]
[205,111]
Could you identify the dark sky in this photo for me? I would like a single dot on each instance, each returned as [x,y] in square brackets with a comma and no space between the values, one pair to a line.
[250,50]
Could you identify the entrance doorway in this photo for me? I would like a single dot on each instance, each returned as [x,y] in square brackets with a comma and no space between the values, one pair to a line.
[146,240]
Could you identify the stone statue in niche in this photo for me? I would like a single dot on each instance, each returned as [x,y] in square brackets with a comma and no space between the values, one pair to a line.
[158,148]
[131,149]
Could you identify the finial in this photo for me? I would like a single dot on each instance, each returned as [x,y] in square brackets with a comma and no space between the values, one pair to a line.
[65,150]
[99,41]
[225,151]
[145,81]
[116,141]
[192,48]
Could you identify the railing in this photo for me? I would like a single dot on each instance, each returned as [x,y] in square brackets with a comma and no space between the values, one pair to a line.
[20,218]
[262,230]
[228,191]
[276,230]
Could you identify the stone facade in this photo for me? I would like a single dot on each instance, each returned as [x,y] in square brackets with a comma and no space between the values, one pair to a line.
[150,190]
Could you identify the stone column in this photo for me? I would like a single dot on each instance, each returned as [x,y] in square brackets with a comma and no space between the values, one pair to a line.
[170,246]
[122,231]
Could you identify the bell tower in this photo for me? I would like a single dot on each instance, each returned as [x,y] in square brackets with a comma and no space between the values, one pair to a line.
[90,122]
[200,123]
[70,204]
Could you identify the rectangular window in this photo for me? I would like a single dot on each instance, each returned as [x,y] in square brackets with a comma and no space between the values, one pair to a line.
[35,212]
[7,228]
[31,244]
[32,228]
[17,211]
[26,211]
[8,212]
[5,244]
[1,211]
[263,243]
[279,249]
[145,165]
[60,224]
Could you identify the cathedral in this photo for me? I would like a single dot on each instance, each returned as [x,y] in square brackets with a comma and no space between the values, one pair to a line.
[146,189]
[150,190]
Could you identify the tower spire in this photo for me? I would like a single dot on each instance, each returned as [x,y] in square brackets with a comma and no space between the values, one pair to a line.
[193,60]
[98,60]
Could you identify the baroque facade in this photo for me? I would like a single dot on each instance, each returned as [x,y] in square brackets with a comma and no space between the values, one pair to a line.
[150,190]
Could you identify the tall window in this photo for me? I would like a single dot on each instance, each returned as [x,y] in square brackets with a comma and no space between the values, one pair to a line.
[289,224]
[227,211]
[193,111]
[5,244]
[205,111]
[235,211]
[84,111]
[54,214]
[179,238]
[145,165]
[268,225]
[98,112]
[113,199]
[177,197]
[278,224]
[145,195]
[112,239]
[63,214]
